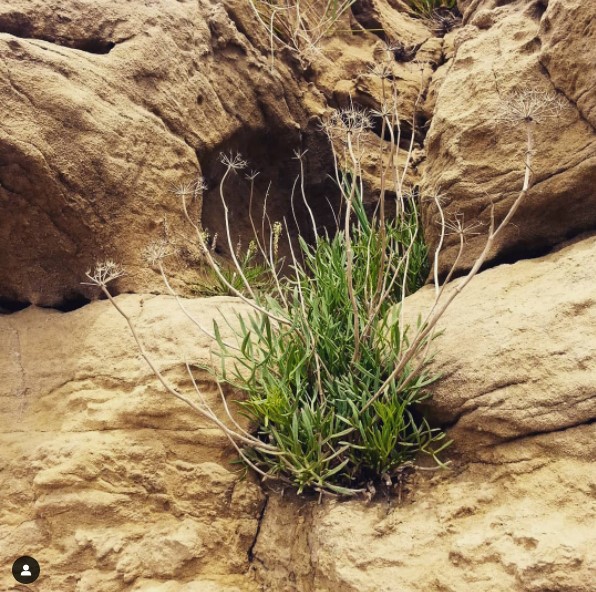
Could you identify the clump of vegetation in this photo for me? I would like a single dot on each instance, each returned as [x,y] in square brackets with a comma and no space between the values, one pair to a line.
[318,379]
[256,273]
[428,8]
[329,372]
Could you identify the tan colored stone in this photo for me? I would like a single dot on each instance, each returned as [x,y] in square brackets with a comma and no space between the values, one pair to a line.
[567,32]
[115,486]
[516,352]
[473,158]
[106,107]
[107,480]
[514,511]
[104,471]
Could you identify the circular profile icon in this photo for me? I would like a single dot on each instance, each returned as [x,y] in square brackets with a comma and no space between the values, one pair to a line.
[25,570]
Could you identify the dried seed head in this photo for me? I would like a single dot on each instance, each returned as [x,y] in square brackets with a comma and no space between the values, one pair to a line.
[529,106]
[156,251]
[252,175]
[458,227]
[380,70]
[348,122]
[299,154]
[390,47]
[193,189]
[184,190]
[443,21]
[200,186]
[104,272]
[233,161]
[387,110]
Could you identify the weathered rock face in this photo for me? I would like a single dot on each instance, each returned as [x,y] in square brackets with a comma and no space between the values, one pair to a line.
[108,481]
[516,354]
[106,106]
[567,32]
[102,470]
[114,485]
[473,158]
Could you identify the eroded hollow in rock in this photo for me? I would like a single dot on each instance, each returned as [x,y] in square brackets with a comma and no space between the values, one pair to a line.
[74,302]
[8,306]
[402,134]
[271,153]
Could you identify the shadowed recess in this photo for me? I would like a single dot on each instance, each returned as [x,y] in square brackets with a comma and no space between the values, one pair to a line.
[19,25]
[271,153]
[9,306]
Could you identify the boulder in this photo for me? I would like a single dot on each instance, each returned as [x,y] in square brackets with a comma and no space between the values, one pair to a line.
[108,481]
[475,159]
[567,32]
[103,470]
[515,349]
[108,107]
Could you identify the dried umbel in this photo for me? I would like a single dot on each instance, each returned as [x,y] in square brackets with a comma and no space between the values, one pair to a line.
[529,106]
[442,21]
[192,190]
[233,161]
[104,273]
[458,227]
[381,70]
[156,251]
[351,121]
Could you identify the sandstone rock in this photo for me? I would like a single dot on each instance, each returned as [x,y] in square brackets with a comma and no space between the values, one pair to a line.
[473,159]
[130,102]
[515,521]
[115,486]
[567,32]
[102,470]
[106,106]
[516,352]
[108,481]
[513,511]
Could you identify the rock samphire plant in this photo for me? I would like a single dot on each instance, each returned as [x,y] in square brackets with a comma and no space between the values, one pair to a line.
[325,367]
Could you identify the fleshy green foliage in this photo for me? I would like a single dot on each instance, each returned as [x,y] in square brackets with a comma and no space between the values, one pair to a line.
[427,8]
[308,390]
